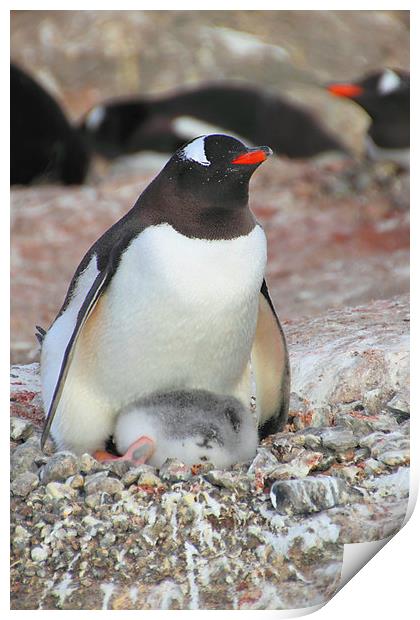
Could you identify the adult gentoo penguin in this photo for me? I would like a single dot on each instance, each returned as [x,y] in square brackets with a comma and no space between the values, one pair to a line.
[163,123]
[385,95]
[191,425]
[171,297]
[44,146]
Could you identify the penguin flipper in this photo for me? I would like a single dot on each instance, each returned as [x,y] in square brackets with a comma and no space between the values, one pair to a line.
[93,296]
[271,367]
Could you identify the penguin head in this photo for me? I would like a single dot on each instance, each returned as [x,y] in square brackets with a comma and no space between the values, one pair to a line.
[376,86]
[213,170]
[219,155]
[109,127]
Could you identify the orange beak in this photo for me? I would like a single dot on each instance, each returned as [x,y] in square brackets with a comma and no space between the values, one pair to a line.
[345,90]
[255,156]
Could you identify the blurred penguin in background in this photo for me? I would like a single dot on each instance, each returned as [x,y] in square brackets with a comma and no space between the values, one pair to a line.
[385,96]
[44,146]
[251,113]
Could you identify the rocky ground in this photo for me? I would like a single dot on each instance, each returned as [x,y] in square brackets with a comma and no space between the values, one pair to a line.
[267,534]
[263,535]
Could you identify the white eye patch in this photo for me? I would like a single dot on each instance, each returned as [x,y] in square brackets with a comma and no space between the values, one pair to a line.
[388,82]
[95,117]
[195,152]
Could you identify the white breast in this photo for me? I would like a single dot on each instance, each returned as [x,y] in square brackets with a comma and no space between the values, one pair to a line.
[179,312]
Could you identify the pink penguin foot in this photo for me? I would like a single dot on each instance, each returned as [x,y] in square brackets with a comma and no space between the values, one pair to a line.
[139,452]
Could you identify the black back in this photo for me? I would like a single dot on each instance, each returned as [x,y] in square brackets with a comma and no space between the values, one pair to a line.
[253,113]
[43,144]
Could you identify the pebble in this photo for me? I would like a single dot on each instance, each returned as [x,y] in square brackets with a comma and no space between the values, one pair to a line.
[349,473]
[102,483]
[298,467]
[108,540]
[374,467]
[119,468]
[400,402]
[328,459]
[21,537]
[310,439]
[76,482]
[228,480]
[150,479]
[363,424]
[174,470]
[59,467]
[361,454]
[93,500]
[264,463]
[24,483]
[392,449]
[395,458]
[39,554]
[20,429]
[133,474]
[338,439]
[24,458]
[87,464]
[59,490]
[309,495]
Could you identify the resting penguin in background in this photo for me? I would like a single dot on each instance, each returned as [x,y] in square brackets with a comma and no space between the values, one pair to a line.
[164,123]
[44,147]
[385,95]
[192,426]
[171,297]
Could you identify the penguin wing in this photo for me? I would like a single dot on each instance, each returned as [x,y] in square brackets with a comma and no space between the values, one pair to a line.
[98,287]
[271,368]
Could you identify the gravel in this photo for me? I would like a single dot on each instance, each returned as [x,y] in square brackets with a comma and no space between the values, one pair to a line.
[86,535]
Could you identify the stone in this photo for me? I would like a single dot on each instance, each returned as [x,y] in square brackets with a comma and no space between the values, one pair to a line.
[311,494]
[349,473]
[102,483]
[175,470]
[393,449]
[39,554]
[24,483]
[20,538]
[59,490]
[395,458]
[374,467]
[133,474]
[119,468]
[20,429]
[24,457]
[59,467]
[87,464]
[149,479]
[76,482]
[400,402]
[298,467]
[263,463]
[338,439]
[233,481]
